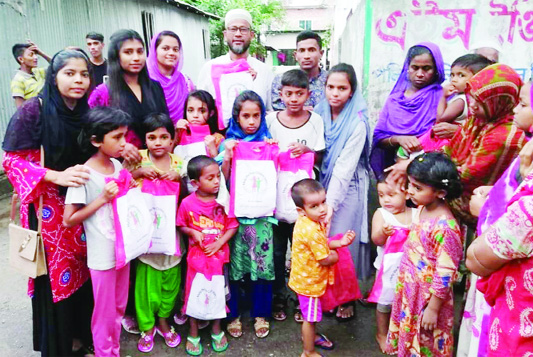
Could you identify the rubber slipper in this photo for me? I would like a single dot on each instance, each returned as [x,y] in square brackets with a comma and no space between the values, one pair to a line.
[146,342]
[172,338]
[195,341]
[324,342]
[216,339]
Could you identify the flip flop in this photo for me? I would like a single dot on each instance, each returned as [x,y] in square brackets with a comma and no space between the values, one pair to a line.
[216,339]
[195,341]
[324,343]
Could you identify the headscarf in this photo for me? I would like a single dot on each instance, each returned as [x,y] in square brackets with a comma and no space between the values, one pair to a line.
[235,131]
[497,89]
[338,131]
[176,87]
[58,128]
[407,116]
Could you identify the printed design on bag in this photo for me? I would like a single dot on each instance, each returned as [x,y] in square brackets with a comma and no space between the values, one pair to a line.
[255,182]
[66,275]
[134,218]
[160,218]
[48,213]
[206,298]
[235,90]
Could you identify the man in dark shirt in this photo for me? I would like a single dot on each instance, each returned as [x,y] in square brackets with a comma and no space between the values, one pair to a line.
[95,45]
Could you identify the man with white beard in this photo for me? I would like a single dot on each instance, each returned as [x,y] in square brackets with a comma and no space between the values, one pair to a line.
[238,36]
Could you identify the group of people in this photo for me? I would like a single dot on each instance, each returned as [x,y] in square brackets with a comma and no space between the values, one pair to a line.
[436,152]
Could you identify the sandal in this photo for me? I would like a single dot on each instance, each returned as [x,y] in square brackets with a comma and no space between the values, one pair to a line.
[278,309]
[195,341]
[342,308]
[130,325]
[180,319]
[298,316]
[217,340]
[324,342]
[146,342]
[235,328]
[261,323]
[172,338]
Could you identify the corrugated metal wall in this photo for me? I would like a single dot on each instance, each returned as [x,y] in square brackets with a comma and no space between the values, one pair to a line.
[54,24]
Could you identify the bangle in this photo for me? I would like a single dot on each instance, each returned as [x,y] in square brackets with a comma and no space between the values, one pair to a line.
[390,141]
[478,262]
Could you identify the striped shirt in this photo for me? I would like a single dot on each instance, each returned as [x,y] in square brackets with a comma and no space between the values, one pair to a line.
[27,85]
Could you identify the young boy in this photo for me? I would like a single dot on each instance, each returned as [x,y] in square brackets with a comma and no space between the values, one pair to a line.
[463,68]
[209,229]
[312,256]
[29,80]
[299,131]
[95,45]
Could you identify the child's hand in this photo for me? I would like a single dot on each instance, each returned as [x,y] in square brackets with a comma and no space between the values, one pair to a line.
[348,238]
[448,90]
[212,248]
[198,237]
[171,175]
[229,145]
[211,145]
[147,172]
[182,124]
[388,229]
[110,191]
[297,149]
[429,319]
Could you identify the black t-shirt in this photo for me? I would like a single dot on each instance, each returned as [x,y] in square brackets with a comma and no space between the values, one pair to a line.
[99,72]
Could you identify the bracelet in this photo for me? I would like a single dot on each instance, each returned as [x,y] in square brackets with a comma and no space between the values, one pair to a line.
[478,262]
[390,141]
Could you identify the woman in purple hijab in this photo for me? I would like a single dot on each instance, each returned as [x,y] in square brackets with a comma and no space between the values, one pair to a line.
[411,108]
[164,64]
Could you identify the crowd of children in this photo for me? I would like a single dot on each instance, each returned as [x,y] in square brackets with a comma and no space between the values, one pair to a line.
[226,255]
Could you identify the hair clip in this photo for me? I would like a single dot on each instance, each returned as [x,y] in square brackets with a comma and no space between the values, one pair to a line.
[445,182]
[420,158]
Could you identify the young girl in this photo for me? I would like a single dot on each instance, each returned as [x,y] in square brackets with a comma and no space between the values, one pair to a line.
[164,64]
[252,255]
[388,219]
[345,168]
[200,109]
[158,276]
[104,137]
[422,312]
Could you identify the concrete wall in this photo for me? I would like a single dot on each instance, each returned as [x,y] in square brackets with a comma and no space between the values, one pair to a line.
[383,31]
[54,24]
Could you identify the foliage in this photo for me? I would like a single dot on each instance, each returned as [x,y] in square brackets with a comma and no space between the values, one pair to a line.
[263,12]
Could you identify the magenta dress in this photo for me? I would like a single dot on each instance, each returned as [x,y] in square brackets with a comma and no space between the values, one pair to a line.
[429,266]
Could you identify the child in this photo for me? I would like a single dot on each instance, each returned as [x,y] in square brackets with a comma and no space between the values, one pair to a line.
[200,109]
[158,276]
[392,214]
[199,217]
[299,131]
[345,168]
[103,136]
[452,106]
[422,312]
[252,257]
[312,256]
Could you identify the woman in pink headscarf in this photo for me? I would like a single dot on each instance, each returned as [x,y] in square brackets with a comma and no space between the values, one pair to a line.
[164,64]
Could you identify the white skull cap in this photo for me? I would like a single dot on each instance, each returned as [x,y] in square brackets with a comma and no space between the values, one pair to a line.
[238,14]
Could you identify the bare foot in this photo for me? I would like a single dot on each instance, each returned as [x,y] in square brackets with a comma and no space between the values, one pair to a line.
[382,342]
[345,311]
[311,354]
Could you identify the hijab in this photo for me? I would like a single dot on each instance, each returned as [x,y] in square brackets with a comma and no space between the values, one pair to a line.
[407,116]
[176,87]
[338,131]
[234,129]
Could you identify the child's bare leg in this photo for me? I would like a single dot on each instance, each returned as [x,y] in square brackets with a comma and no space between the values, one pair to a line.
[383,320]
[308,335]
[193,332]
[163,325]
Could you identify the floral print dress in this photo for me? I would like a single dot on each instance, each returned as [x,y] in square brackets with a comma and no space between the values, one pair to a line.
[428,267]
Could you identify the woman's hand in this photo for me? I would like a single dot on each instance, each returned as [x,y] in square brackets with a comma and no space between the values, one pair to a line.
[398,173]
[131,154]
[429,319]
[444,130]
[409,143]
[526,159]
[74,176]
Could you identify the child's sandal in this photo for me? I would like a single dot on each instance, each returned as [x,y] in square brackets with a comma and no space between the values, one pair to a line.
[298,316]
[146,342]
[278,309]
[261,324]
[196,343]
[172,338]
[217,340]
[235,328]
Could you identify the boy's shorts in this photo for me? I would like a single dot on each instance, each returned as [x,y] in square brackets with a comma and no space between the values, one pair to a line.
[311,308]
